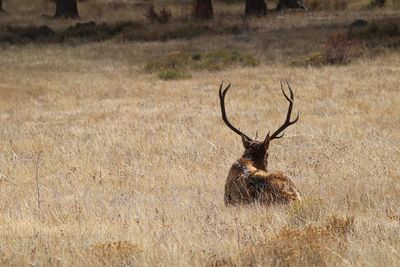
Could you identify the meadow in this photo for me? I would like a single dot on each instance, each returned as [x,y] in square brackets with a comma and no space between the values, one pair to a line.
[105,159]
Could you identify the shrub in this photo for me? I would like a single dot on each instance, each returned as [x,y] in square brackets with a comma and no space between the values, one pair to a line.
[157,33]
[182,62]
[311,245]
[188,31]
[315,59]
[32,33]
[338,49]
[381,31]
[115,253]
[163,16]
[139,34]
[172,74]
[341,225]
[385,34]
[8,38]
[83,31]
[171,61]
[92,31]
[308,210]
[214,60]
[393,214]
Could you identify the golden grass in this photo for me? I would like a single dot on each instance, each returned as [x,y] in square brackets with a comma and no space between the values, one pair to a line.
[102,163]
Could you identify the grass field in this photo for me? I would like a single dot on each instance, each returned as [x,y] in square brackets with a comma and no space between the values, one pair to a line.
[103,163]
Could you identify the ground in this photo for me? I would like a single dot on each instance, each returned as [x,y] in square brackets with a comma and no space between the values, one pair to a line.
[104,163]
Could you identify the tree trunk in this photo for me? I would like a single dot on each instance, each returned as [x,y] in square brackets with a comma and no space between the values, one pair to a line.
[1,6]
[66,9]
[282,4]
[255,8]
[203,9]
[380,2]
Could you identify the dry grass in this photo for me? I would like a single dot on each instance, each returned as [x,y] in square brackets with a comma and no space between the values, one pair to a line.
[104,164]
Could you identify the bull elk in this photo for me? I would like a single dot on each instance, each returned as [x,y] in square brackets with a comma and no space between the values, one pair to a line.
[248,180]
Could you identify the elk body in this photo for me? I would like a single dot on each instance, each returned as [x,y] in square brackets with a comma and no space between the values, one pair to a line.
[248,180]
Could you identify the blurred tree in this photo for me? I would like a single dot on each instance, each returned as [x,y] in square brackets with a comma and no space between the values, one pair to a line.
[203,9]
[255,7]
[66,9]
[380,2]
[282,4]
[1,6]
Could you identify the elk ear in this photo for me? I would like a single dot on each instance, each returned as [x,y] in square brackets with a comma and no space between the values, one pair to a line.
[266,141]
[246,141]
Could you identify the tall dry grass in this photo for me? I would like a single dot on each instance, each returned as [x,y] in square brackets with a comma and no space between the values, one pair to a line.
[103,164]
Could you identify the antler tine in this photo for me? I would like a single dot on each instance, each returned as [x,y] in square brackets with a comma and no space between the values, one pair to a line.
[279,133]
[290,91]
[222,94]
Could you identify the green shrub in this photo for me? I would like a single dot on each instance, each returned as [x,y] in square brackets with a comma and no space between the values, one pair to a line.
[86,31]
[32,33]
[183,62]
[214,60]
[188,31]
[385,30]
[219,60]
[172,61]
[97,32]
[124,30]
[315,59]
[171,74]
[384,34]
[168,32]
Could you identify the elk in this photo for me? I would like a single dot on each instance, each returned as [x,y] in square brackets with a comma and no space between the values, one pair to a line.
[248,179]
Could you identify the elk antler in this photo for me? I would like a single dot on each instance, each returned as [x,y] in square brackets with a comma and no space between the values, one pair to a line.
[222,94]
[279,133]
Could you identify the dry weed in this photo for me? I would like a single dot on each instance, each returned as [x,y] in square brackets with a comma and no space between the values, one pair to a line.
[338,49]
[311,245]
[341,225]
[310,209]
[115,252]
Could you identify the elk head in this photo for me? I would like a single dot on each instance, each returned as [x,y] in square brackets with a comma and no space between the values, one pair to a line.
[257,151]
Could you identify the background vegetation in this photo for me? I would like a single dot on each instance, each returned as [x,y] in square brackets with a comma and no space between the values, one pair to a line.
[103,162]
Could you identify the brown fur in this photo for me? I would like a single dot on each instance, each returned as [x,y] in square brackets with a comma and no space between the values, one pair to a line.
[248,180]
